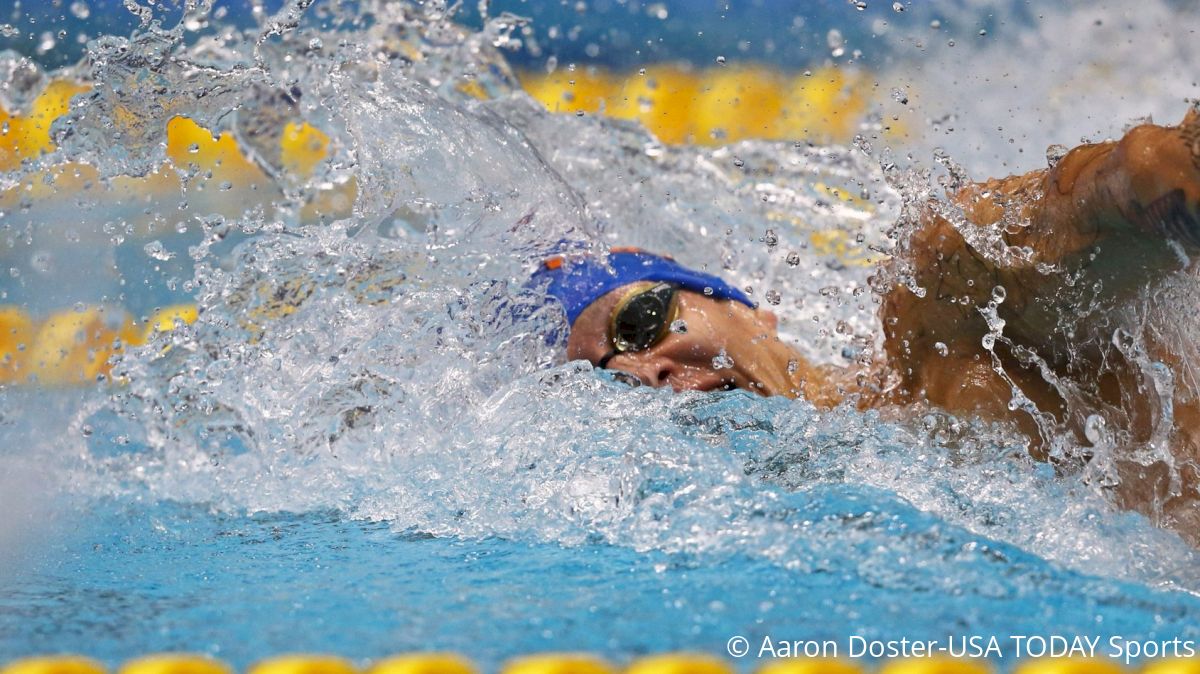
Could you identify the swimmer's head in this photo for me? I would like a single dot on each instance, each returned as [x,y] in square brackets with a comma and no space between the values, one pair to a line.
[666,325]
[579,280]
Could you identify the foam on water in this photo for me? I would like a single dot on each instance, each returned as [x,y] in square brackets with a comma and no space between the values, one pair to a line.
[392,364]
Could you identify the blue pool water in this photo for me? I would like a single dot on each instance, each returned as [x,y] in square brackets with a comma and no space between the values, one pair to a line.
[366,445]
[129,579]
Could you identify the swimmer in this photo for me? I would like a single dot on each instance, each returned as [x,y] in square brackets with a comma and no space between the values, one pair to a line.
[1118,216]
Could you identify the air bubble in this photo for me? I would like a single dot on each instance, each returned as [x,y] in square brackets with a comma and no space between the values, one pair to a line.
[773,297]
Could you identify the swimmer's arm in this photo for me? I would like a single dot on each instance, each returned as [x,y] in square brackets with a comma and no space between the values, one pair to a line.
[1116,207]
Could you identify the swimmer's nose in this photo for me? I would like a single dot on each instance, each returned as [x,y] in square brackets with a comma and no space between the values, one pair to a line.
[650,369]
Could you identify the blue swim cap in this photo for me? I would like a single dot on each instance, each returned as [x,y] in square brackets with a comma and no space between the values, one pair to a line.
[578,280]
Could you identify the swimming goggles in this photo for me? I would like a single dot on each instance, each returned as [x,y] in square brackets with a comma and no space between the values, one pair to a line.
[641,319]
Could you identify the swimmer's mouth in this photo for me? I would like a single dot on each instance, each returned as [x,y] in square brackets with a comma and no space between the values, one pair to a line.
[722,385]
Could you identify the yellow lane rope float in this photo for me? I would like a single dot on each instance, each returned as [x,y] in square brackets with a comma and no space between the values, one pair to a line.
[171,663]
[559,663]
[577,663]
[424,663]
[714,106]
[74,346]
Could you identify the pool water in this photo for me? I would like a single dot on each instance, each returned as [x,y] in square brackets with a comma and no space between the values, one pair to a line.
[365,443]
[130,579]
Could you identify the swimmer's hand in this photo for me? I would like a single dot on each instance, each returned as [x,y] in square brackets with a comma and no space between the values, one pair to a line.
[1161,172]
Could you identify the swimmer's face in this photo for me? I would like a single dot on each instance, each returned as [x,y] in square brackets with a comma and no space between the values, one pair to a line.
[714,330]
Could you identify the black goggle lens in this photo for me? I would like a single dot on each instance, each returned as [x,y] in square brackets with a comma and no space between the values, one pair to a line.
[643,319]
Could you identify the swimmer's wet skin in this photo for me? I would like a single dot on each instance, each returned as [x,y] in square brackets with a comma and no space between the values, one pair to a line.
[1114,213]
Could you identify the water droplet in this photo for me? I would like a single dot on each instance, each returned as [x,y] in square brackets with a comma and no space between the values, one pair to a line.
[829,291]
[738,162]
[9,30]
[835,42]
[988,341]
[720,60]
[982,32]
[1055,153]
[900,96]
[770,238]
[897,7]
[941,348]
[42,261]
[722,361]
[156,250]
[193,148]
[80,10]
[860,5]
[678,326]
[1093,429]
[86,431]
[773,297]
[999,294]
[793,259]
[46,42]
[950,43]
